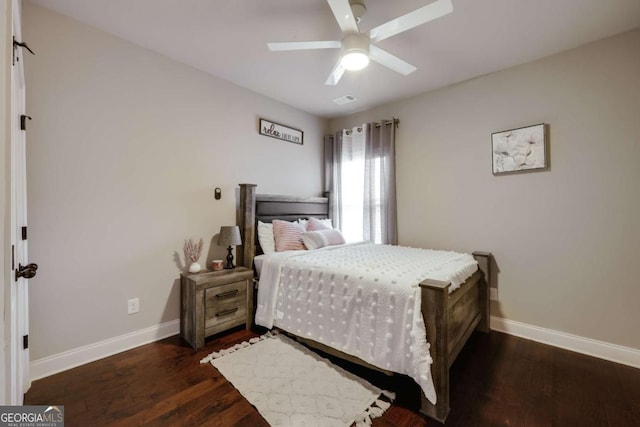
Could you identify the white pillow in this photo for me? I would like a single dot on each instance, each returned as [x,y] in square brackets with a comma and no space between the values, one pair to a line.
[321,238]
[265,237]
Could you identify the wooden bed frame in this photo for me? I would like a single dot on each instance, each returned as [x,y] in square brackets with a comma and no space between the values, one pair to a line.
[449,318]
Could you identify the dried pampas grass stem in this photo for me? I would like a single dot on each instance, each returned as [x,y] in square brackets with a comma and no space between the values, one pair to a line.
[192,251]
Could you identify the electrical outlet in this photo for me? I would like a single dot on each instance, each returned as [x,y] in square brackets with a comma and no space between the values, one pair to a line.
[493,294]
[133,306]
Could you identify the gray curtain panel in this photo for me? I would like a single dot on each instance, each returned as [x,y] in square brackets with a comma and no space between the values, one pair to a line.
[380,206]
[333,175]
[380,223]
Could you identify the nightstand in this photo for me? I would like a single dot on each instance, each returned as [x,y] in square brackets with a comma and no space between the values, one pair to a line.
[214,301]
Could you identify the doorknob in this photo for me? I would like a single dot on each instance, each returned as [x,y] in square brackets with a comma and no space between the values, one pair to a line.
[26,271]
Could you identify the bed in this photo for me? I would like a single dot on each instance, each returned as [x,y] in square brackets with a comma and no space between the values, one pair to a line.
[449,317]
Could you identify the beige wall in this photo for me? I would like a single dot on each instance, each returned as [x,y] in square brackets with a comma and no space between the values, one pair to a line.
[126,147]
[124,151]
[567,240]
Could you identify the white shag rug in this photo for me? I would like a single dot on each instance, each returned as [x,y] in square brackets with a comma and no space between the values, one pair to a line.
[292,386]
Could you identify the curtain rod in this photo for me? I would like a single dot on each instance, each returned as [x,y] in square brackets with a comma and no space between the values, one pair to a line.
[394,121]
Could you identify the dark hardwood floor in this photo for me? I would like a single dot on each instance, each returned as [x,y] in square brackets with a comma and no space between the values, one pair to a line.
[498,380]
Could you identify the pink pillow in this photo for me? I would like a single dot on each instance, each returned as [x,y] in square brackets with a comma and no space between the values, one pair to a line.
[315,224]
[287,235]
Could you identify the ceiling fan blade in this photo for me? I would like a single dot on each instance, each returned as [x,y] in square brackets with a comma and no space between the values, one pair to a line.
[304,45]
[342,11]
[412,19]
[336,74]
[383,57]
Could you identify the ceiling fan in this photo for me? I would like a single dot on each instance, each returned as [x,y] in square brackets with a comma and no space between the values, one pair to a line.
[357,47]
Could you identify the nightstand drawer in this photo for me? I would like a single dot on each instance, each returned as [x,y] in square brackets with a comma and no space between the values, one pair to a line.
[236,291]
[226,313]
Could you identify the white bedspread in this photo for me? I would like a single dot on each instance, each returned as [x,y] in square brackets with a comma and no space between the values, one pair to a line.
[362,299]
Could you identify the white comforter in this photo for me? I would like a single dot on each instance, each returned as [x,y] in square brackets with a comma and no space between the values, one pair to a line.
[362,299]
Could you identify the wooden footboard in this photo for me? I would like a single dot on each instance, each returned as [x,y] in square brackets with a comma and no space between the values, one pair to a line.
[449,319]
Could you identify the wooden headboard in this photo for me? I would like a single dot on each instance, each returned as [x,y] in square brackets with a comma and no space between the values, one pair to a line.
[267,207]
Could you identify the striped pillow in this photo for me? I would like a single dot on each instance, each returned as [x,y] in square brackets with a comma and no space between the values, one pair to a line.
[321,238]
[315,224]
[287,235]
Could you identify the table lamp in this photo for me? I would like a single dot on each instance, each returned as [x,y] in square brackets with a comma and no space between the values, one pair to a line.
[229,236]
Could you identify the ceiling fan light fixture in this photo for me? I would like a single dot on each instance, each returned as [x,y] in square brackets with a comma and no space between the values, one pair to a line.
[354,61]
[355,52]
[358,48]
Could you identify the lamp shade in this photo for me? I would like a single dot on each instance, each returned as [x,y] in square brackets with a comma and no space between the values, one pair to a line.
[229,236]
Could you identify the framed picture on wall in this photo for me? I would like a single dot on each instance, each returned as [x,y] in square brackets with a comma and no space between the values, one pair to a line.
[278,131]
[520,150]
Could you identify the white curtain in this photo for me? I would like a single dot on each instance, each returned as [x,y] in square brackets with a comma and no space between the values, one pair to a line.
[360,177]
[352,168]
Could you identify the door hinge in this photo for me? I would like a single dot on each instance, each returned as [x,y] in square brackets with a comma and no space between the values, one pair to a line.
[23,121]
[24,233]
[17,44]
[25,342]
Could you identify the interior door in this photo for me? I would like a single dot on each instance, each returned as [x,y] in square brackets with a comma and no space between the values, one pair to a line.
[22,270]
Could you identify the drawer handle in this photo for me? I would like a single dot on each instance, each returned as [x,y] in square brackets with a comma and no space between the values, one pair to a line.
[226,312]
[228,294]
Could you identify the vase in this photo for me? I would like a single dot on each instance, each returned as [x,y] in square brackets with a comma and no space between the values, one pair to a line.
[194,267]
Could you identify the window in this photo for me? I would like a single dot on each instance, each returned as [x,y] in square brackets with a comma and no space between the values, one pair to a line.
[352,201]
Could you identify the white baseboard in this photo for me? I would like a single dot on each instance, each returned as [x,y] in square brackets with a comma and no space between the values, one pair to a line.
[603,350]
[70,359]
[79,356]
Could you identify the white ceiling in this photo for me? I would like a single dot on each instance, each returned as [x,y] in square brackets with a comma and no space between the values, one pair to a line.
[227,38]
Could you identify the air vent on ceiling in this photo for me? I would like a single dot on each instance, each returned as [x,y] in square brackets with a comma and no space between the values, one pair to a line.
[345,99]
